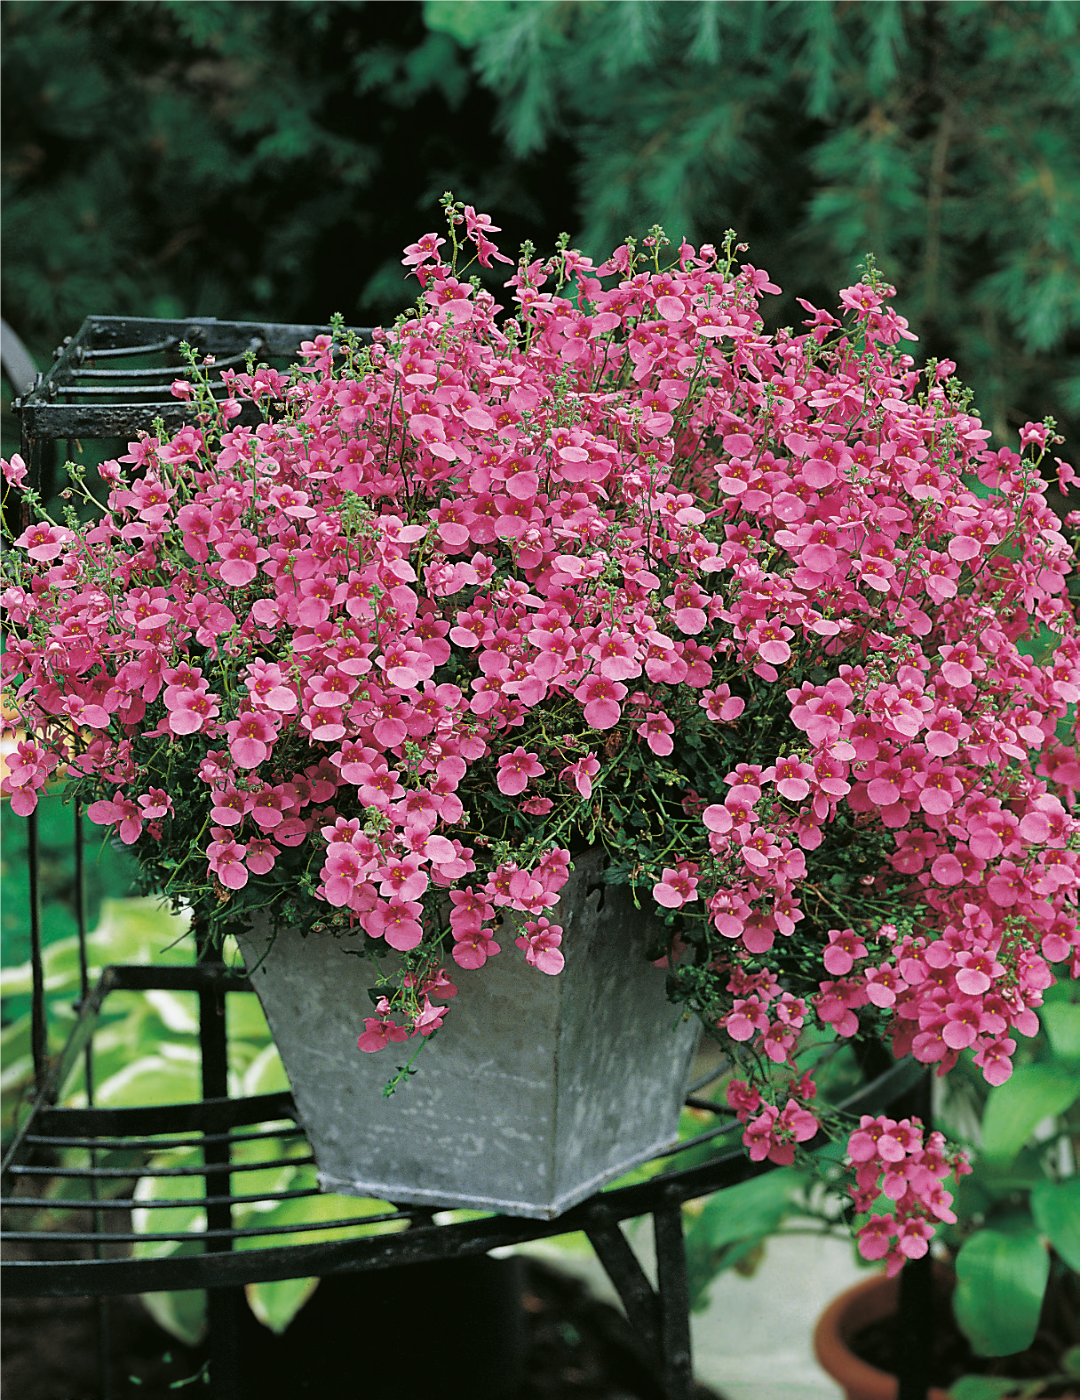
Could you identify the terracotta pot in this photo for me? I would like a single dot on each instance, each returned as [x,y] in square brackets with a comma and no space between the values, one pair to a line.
[867,1302]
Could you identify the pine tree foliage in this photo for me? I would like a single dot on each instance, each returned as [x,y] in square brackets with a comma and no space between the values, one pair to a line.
[942,138]
[262,160]
[270,160]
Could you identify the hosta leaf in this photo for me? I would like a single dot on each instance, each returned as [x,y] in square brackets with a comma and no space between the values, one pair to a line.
[1001,1277]
[1061,1021]
[1056,1208]
[275,1304]
[733,1222]
[1015,1108]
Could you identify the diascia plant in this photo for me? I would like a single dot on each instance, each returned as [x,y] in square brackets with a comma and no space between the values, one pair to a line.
[764,616]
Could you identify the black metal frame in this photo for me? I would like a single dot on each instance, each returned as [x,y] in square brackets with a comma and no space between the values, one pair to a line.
[66,404]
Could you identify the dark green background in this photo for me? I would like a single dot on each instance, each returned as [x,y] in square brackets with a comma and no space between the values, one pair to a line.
[270,160]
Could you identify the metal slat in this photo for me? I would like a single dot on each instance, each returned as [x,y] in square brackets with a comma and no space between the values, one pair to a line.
[126,1173]
[216,1114]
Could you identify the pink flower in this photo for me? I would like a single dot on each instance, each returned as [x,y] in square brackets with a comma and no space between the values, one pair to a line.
[122,813]
[798,1121]
[581,774]
[675,888]
[844,947]
[539,940]
[744,1098]
[470,909]
[354,633]
[155,804]
[876,1236]
[429,1018]
[403,878]
[720,705]
[657,731]
[758,1135]
[423,250]
[226,858]
[250,738]
[381,1030]
[515,770]
[261,856]
[601,698]
[191,711]
[473,948]
[397,921]
[14,470]
[792,777]
[265,681]
[43,541]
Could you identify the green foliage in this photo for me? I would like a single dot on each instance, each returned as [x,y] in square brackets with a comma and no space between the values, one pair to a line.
[108,869]
[134,1028]
[275,1303]
[146,1051]
[1023,1194]
[942,137]
[270,161]
[1015,1108]
[258,160]
[1001,1276]
[1055,1206]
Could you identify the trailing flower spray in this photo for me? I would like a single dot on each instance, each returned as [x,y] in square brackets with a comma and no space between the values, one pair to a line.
[763,615]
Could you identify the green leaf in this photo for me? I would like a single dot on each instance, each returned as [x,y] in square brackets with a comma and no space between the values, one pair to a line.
[130,931]
[267,1180]
[276,1304]
[154,1079]
[266,1074]
[1056,1208]
[984,1387]
[1061,1021]
[323,1209]
[148,1218]
[246,1019]
[182,1313]
[464,19]
[1015,1108]
[1001,1277]
[178,1010]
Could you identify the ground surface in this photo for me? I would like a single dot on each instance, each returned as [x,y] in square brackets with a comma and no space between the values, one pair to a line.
[557,1343]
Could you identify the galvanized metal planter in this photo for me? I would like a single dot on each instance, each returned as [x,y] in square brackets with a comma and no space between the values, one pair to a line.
[537,1091]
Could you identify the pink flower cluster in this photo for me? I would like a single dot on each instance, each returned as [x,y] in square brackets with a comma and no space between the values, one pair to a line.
[771,1133]
[890,1159]
[462,579]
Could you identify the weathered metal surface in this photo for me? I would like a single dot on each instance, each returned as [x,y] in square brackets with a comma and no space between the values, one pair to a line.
[537,1091]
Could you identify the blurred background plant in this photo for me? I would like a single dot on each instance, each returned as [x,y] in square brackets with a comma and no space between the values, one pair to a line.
[146,1052]
[1015,1244]
[269,161]
[1024,1192]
